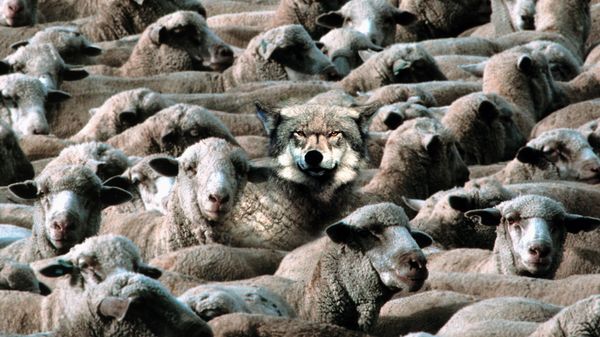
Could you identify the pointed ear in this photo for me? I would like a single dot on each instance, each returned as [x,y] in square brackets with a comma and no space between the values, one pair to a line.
[365,115]
[128,117]
[166,166]
[5,68]
[118,181]
[110,196]
[432,143]
[74,74]
[403,18]
[149,271]
[487,111]
[461,203]
[19,44]
[529,155]
[330,20]
[269,117]
[577,223]
[525,64]
[486,216]
[158,34]
[342,233]
[91,50]
[57,96]
[58,268]
[474,69]
[423,239]
[414,204]
[25,190]
[366,54]
[114,307]
[393,120]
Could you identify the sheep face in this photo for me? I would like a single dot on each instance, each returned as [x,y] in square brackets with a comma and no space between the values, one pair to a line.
[214,303]
[129,302]
[44,62]
[210,176]
[316,145]
[591,131]
[15,167]
[17,276]
[68,203]
[522,13]
[185,35]
[342,47]
[376,19]
[17,13]
[69,42]
[292,48]
[390,117]
[381,232]
[105,160]
[564,65]
[23,99]
[534,228]
[565,150]
[154,188]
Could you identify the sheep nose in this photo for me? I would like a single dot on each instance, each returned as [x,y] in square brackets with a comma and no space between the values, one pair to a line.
[62,225]
[218,199]
[313,158]
[539,250]
[15,6]
[417,262]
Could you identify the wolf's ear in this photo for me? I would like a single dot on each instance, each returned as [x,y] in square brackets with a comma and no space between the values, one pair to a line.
[366,113]
[269,117]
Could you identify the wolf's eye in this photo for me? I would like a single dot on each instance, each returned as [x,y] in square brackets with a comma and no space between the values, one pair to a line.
[334,134]
[299,134]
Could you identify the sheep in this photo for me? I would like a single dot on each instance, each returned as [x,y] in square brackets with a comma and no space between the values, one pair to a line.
[343,45]
[67,210]
[362,270]
[408,63]
[377,19]
[176,42]
[390,116]
[10,234]
[18,13]
[170,131]
[453,66]
[484,129]
[443,92]
[420,158]
[23,103]
[14,167]
[72,46]
[233,263]
[17,215]
[304,13]
[217,7]
[152,188]
[252,325]
[257,18]
[104,160]
[18,277]
[571,116]
[530,235]
[570,18]
[42,147]
[211,301]
[120,112]
[511,16]
[580,317]
[559,154]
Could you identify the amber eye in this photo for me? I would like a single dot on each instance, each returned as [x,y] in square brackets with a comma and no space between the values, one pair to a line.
[299,134]
[334,134]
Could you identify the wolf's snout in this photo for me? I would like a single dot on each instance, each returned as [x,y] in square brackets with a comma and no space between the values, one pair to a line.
[313,158]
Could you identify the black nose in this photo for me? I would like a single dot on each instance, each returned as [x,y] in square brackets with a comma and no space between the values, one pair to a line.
[313,158]
[539,250]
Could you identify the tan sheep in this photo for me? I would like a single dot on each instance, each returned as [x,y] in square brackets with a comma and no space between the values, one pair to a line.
[304,13]
[14,167]
[571,116]
[342,46]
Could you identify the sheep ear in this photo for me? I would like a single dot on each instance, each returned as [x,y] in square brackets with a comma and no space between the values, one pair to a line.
[19,44]
[57,96]
[270,118]
[529,155]
[577,223]
[128,117]
[423,239]
[259,174]
[393,120]
[330,20]
[165,166]
[114,307]
[149,271]
[25,190]
[158,34]
[525,64]
[139,2]
[118,181]
[366,54]
[342,233]
[58,269]
[461,203]
[474,69]
[403,18]
[91,50]
[4,68]
[110,196]
[74,74]
[486,216]
[487,111]
[44,289]
[414,204]
[432,143]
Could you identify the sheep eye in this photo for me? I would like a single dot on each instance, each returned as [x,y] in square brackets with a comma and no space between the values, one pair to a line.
[194,133]
[512,218]
[299,134]
[190,169]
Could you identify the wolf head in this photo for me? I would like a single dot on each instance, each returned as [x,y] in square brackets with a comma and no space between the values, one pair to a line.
[318,146]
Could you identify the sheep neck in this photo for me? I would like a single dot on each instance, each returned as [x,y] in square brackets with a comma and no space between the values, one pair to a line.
[583,87]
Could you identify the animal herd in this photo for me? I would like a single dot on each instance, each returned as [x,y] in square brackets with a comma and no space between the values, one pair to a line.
[271,168]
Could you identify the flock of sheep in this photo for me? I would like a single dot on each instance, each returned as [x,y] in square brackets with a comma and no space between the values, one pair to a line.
[261,168]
